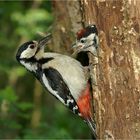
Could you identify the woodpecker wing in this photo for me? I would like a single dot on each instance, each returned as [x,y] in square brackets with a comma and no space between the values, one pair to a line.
[53,81]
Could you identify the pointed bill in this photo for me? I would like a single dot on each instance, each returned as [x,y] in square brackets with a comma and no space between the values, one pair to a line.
[42,42]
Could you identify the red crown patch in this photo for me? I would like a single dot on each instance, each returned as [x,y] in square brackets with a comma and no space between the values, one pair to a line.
[80,33]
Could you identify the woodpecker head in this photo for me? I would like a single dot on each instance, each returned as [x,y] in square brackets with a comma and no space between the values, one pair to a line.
[29,50]
[87,40]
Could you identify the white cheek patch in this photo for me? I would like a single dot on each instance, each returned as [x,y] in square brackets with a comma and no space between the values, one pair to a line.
[90,39]
[91,36]
[28,53]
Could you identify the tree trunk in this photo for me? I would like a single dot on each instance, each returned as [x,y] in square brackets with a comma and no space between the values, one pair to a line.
[117,94]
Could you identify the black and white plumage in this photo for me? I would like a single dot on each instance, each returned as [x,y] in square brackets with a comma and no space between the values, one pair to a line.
[61,75]
[87,40]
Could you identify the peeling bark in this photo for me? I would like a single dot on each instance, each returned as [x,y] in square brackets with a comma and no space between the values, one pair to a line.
[117,94]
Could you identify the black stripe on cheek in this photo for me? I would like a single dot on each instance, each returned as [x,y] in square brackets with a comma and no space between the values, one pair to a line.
[29,60]
[34,60]
[45,60]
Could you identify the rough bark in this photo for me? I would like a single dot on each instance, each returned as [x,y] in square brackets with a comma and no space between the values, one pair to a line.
[117,96]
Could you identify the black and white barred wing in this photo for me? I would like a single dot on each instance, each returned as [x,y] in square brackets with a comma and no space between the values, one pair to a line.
[56,85]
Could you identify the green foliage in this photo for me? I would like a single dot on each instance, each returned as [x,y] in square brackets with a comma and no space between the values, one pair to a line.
[20,22]
[59,124]
[19,71]
[8,94]
[28,22]
[25,106]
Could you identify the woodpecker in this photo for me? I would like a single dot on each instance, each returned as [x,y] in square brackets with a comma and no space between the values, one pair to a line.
[63,76]
[87,40]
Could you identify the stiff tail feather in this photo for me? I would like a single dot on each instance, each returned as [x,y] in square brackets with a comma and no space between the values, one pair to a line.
[92,126]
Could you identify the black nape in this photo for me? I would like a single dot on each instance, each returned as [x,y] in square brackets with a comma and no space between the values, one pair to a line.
[82,57]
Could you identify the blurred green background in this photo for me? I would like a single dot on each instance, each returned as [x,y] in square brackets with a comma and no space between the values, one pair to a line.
[26,109]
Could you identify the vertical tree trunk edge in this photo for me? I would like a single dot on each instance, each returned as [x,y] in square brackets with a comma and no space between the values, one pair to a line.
[111,122]
[117,96]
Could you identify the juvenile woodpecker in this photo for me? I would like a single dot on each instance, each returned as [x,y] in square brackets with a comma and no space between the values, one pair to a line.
[87,40]
[61,75]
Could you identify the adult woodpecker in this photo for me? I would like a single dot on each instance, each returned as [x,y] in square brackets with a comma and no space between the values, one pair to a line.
[61,75]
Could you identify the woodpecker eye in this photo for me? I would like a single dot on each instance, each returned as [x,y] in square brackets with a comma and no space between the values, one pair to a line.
[32,46]
[82,40]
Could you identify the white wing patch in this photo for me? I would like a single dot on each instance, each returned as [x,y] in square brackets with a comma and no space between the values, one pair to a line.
[45,81]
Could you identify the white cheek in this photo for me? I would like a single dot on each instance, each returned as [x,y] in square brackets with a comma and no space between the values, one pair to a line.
[28,53]
[92,50]
[89,42]
[91,37]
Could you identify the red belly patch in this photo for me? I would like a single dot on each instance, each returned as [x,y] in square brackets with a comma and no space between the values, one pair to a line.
[84,102]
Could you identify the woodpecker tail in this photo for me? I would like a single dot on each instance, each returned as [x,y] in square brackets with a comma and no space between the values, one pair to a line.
[92,126]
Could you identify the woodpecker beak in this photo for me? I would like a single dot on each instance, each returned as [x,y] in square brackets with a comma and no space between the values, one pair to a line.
[73,45]
[42,42]
[77,48]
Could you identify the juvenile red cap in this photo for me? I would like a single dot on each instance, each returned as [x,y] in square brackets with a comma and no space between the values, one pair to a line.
[87,31]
